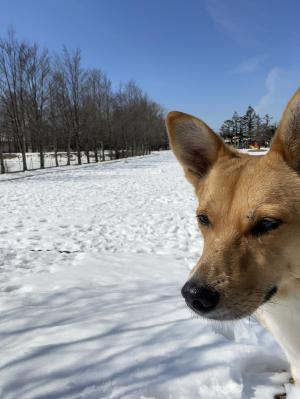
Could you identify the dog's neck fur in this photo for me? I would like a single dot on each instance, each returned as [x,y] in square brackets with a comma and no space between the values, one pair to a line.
[282,318]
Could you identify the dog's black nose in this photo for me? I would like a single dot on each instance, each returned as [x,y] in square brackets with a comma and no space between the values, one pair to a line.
[200,298]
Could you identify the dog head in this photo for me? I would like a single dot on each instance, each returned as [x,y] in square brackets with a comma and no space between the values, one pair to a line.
[248,213]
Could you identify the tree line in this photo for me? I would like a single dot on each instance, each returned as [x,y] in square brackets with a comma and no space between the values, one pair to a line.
[51,103]
[248,129]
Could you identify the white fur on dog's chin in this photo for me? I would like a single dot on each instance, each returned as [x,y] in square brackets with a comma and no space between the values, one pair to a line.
[282,318]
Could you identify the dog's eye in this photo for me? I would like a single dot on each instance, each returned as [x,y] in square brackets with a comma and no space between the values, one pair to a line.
[203,219]
[265,225]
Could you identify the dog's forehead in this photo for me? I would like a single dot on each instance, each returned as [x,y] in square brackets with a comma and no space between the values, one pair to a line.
[245,183]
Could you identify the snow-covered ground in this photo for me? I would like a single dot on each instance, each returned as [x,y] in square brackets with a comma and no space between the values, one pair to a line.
[92,261]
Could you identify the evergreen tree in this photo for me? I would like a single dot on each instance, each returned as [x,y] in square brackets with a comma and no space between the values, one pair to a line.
[248,129]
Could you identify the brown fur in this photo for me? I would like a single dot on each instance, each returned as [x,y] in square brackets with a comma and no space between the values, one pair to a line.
[235,191]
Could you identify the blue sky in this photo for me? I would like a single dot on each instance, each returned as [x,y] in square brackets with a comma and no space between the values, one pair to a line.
[205,57]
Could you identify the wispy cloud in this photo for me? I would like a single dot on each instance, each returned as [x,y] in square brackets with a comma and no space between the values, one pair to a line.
[236,19]
[280,84]
[221,15]
[250,64]
[267,101]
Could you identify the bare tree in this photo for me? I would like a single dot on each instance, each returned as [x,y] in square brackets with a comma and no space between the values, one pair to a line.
[13,59]
[52,104]
[37,92]
[74,81]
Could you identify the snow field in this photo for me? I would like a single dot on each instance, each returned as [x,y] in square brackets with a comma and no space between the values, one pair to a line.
[92,261]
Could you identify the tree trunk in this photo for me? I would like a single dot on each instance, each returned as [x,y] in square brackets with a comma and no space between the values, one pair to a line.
[96,155]
[2,168]
[23,150]
[56,158]
[78,149]
[69,151]
[42,158]
[55,152]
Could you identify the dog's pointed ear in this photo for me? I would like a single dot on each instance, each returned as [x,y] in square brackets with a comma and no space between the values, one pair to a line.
[194,144]
[287,137]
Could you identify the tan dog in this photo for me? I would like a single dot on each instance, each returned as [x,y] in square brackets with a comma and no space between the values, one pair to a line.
[249,216]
